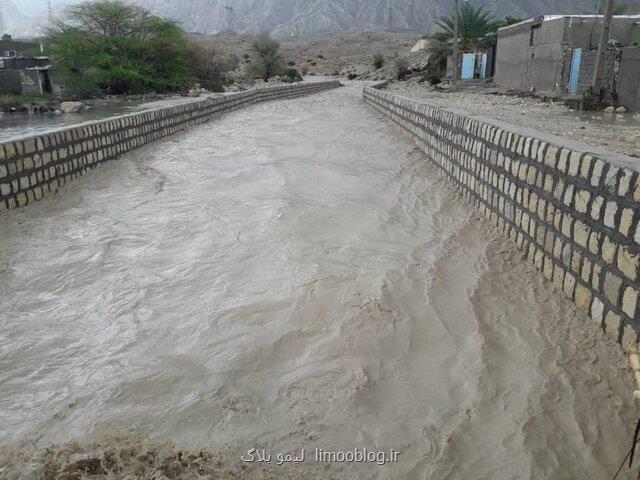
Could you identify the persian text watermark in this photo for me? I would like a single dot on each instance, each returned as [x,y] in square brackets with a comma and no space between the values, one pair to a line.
[321,455]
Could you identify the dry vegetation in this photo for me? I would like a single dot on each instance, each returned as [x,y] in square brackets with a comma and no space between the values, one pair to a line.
[341,55]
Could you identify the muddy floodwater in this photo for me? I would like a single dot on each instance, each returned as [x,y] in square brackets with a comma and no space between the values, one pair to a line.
[294,275]
[14,125]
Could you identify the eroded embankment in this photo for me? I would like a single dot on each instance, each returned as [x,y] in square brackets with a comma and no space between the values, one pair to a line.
[296,275]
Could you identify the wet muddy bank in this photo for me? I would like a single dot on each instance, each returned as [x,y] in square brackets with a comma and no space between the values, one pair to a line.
[131,455]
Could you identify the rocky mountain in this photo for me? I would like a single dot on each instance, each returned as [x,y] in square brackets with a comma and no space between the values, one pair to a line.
[308,19]
[10,17]
[312,19]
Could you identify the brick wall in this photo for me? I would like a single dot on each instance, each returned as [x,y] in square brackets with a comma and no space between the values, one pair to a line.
[32,167]
[574,213]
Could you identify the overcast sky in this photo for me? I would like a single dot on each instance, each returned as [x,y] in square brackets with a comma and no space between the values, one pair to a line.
[33,7]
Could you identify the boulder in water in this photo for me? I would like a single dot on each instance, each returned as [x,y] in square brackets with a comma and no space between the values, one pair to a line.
[72,107]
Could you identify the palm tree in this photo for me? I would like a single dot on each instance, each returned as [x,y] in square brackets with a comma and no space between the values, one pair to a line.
[474,23]
[475,26]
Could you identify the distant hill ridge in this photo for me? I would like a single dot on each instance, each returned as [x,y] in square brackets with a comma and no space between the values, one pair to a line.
[311,19]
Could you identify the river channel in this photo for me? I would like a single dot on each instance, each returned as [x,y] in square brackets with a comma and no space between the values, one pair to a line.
[295,275]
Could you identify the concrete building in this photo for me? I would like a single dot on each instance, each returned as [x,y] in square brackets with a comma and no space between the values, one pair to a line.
[18,48]
[556,53]
[629,84]
[22,71]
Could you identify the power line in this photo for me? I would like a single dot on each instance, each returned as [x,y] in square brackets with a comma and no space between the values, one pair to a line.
[231,15]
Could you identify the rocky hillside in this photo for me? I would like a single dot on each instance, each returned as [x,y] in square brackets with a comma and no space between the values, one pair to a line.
[314,19]
[11,20]
[341,54]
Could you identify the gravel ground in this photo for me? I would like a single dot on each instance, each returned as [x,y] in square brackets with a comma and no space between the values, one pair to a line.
[340,54]
[616,132]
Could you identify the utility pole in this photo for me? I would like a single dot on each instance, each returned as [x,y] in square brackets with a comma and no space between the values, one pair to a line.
[230,14]
[602,48]
[456,37]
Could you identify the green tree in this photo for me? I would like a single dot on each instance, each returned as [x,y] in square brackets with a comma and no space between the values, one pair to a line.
[267,61]
[474,25]
[109,47]
[477,31]
[508,20]
[618,8]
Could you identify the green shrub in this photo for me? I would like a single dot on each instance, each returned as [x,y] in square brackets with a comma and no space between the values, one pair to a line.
[291,74]
[401,65]
[433,75]
[378,61]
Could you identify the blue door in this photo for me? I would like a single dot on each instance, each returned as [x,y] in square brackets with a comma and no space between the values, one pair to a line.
[575,70]
[468,65]
[483,66]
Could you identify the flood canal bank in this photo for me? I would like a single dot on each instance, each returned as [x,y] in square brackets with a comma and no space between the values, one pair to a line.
[292,275]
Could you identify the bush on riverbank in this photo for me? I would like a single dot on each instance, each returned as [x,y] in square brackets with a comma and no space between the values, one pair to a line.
[110,47]
[267,61]
[209,66]
[290,74]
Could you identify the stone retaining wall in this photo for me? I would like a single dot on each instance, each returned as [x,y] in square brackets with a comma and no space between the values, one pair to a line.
[572,211]
[35,166]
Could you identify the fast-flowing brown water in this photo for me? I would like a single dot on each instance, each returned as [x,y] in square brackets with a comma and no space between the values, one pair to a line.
[295,275]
